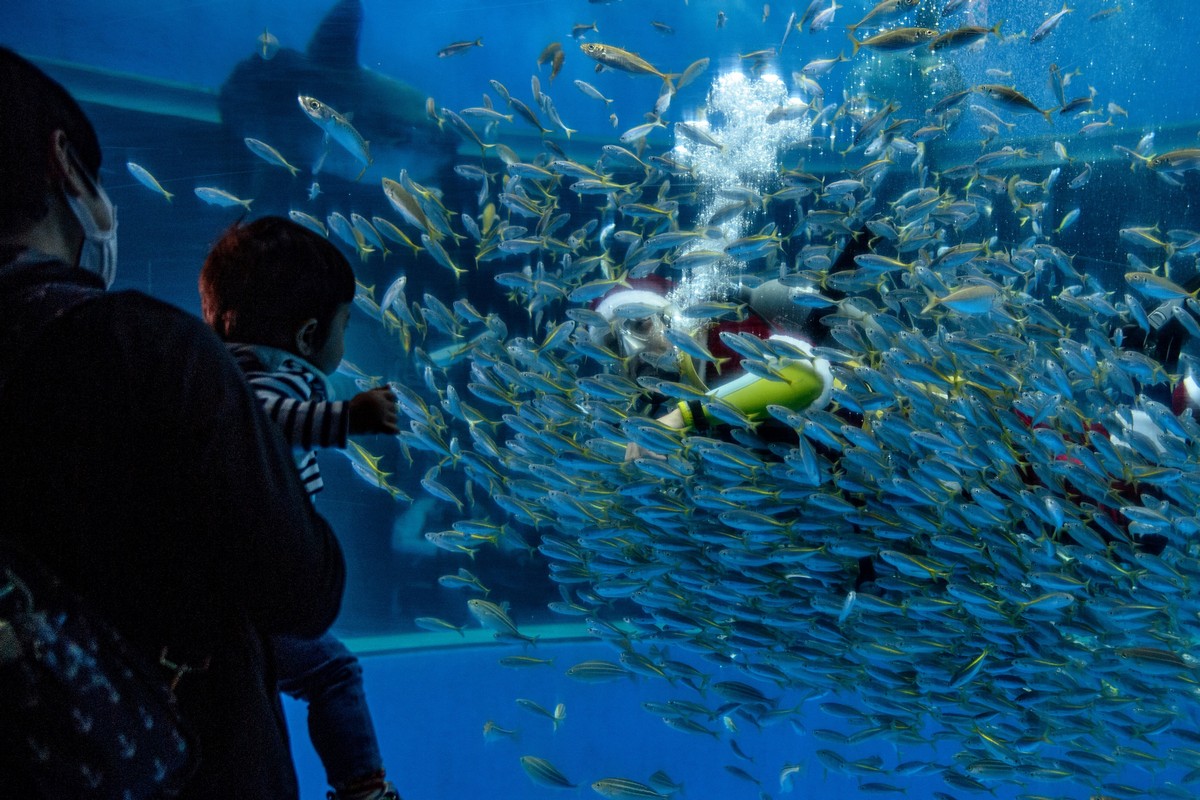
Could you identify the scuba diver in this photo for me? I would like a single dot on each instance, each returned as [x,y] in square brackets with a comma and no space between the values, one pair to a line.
[656,340]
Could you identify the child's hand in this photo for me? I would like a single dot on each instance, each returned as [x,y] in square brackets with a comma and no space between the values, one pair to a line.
[373,411]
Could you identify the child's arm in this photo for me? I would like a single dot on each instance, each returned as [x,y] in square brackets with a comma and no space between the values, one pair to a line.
[305,423]
[308,424]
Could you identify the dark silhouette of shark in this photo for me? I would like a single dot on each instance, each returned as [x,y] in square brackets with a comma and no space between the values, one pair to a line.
[259,100]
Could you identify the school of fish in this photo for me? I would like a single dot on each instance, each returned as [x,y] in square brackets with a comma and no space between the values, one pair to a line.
[991,445]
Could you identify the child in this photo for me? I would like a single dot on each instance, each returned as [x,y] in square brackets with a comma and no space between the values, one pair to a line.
[279,295]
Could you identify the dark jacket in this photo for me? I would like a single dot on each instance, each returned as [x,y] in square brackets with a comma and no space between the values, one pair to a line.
[136,462]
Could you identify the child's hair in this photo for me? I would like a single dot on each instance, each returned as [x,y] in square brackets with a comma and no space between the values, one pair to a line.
[261,281]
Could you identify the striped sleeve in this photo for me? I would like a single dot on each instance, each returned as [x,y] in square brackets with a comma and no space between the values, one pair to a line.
[305,423]
[300,412]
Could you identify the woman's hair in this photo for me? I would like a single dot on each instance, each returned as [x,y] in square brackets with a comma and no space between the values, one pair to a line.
[262,280]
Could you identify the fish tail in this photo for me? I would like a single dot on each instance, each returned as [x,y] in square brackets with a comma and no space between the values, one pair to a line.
[294,170]
[168,195]
[857,45]
[1045,112]
[996,28]
[1137,156]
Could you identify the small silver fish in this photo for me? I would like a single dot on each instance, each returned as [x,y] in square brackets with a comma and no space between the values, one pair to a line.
[438,625]
[309,221]
[495,618]
[597,671]
[492,731]
[458,48]
[220,197]
[978,299]
[146,179]
[269,154]
[1156,286]
[542,771]
[624,789]
[697,135]
[268,45]
[1049,24]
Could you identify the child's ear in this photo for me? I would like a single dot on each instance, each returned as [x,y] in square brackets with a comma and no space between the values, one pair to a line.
[306,337]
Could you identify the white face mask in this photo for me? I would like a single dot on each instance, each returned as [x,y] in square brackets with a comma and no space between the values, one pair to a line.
[99,253]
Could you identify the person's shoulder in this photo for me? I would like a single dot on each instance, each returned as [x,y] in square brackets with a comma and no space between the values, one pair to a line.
[141,327]
[133,311]
[132,300]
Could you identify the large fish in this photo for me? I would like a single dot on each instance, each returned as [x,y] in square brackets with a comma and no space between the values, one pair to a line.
[337,129]
[623,60]
[258,100]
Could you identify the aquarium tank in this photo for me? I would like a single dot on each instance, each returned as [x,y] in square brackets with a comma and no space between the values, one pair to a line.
[969,570]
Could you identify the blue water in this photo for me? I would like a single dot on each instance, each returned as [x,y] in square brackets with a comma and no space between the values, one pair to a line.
[431,706]
[1139,57]
[152,78]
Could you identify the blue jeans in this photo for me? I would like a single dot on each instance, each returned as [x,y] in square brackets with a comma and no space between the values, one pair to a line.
[324,674]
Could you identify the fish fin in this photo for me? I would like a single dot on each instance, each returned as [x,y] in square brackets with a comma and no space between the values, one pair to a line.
[321,159]
[933,301]
[335,42]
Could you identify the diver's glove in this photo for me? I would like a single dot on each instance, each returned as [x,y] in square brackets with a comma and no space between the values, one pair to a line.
[796,382]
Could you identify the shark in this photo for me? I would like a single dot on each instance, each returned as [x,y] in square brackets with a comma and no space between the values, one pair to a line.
[259,100]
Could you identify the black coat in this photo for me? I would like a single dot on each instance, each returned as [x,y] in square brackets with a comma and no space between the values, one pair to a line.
[136,462]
